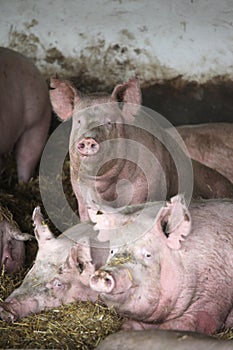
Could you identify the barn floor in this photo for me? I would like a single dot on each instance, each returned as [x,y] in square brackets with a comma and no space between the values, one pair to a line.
[81,325]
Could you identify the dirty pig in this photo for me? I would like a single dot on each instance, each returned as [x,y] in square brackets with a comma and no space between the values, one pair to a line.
[115,162]
[178,274]
[61,271]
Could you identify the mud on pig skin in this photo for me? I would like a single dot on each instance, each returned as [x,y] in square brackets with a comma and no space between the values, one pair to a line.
[25,111]
[12,246]
[60,274]
[162,340]
[156,180]
[179,274]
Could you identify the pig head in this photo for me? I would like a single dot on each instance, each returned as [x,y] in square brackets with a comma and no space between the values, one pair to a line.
[12,244]
[107,153]
[178,274]
[60,274]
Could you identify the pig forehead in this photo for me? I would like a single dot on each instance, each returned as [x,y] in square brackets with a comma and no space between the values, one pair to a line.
[98,113]
[91,100]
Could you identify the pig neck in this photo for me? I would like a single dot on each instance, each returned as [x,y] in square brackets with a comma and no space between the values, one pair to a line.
[173,279]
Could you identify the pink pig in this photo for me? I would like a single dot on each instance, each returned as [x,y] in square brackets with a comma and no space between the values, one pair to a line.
[12,245]
[178,274]
[60,274]
[25,111]
[112,160]
[211,144]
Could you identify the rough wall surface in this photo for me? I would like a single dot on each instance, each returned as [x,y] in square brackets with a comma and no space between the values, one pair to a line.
[106,41]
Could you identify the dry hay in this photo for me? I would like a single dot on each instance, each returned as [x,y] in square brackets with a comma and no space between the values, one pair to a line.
[80,325]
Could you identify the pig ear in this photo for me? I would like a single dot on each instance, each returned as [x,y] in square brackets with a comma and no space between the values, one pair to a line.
[62,96]
[41,230]
[80,258]
[129,94]
[175,221]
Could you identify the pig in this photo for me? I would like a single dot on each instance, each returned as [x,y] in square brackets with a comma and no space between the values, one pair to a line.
[162,339]
[210,144]
[117,161]
[12,243]
[60,274]
[25,111]
[178,274]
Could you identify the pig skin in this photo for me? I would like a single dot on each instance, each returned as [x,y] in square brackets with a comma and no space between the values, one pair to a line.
[25,111]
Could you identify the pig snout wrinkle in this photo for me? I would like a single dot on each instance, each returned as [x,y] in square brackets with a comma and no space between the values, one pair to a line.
[6,314]
[102,282]
[88,147]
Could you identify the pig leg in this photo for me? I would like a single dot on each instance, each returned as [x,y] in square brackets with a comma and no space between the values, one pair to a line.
[29,148]
[82,206]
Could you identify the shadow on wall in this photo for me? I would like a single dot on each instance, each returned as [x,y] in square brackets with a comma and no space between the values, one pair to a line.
[183,102]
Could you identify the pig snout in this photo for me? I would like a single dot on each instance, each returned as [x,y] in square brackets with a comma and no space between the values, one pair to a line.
[88,146]
[102,282]
[7,314]
[12,310]
[114,282]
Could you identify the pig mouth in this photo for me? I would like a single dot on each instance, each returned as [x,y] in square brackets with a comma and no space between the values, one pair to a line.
[119,294]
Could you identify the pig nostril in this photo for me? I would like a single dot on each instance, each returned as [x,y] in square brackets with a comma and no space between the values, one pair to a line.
[108,281]
[94,279]
[93,145]
[81,145]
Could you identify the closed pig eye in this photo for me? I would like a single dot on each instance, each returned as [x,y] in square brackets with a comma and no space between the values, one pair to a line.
[146,254]
[55,284]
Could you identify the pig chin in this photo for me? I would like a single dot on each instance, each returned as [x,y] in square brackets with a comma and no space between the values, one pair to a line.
[118,296]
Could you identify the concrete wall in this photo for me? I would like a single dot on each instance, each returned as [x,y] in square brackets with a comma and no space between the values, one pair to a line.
[106,41]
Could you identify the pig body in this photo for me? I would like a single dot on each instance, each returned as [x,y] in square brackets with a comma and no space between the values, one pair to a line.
[211,144]
[178,275]
[162,339]
[25,111]
[12,246]
[114,161]
[60,274]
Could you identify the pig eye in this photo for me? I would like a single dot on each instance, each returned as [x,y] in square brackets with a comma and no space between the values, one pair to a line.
[56,284]
[113,251]
[146,254]
[80,267]
[109,124]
